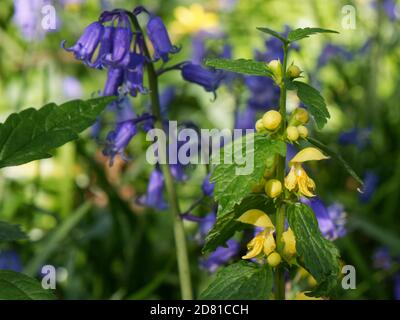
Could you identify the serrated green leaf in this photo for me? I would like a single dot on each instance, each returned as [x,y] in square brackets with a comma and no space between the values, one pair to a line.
[226,225]
[18,286]
[314,101]
[244,66]
[316,254]
[337,157]
[231,188]
[302,33]
[242,280]
[32,134]
[10,232]
[273,33]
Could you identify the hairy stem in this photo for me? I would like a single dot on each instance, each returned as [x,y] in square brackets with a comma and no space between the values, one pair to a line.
[172,197]
[280,212]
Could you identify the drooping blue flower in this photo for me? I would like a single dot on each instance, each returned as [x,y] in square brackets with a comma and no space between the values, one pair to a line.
[119,57]
[381,259]
[10,260]
[220,256]
[115,79]
[356,136]
[159,38]
[264,95]
[331,220]
[154,197]
[87,44]
[371,180]
[331,51]
[207,186]
[134,75]
[245,119]
[208,79]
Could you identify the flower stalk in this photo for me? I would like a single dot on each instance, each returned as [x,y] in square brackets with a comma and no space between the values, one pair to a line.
[179,232]
[280,212]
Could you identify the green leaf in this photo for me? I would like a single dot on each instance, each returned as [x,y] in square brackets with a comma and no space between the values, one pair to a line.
[273,33]
[314,101]
[18,286]
[245,66]
[302,33]
[337,157]
[242,280]
[32,134]
[230,187]
[316,254]
[226,225]
[9,232]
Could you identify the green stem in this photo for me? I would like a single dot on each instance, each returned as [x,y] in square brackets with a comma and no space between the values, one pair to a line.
[280,212]
[179,231]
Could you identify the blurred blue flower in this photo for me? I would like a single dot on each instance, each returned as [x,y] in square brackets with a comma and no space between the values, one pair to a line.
[207,186]
[382,259]
[227,5]
[72,88]
[10,260]
[356,136]
[390,8]
[208,79]
[220,256]
[159,38]
[331,51]
[245,119]
[371,180]
[331,219]
[154,197]
[264,95]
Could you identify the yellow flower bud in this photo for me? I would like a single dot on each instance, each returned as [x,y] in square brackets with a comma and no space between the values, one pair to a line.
[273,188]
[276,68]
[303,131]
[299,116]
[271,120]
[260,126]
[274,259]
[293,72]
[292,133]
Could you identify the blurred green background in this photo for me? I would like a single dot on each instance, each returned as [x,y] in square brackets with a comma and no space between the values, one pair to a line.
[81,215]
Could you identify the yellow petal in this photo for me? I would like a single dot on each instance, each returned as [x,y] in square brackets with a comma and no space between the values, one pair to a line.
[289,248]
[269,244]
[255,246]
[306,184]
[290,180]
[257,218]
[308,154]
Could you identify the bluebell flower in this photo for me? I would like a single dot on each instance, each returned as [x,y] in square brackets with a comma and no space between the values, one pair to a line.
[220,256]
[208,79]
[119,57]
[356,136]
[159,38]
[331,51]
[72,88]
[245,119]
[370,183]
[381,258]
[115,79]
[331,219]
[10,260]
[134,75]
[154,197]
[87,44]
[207,186]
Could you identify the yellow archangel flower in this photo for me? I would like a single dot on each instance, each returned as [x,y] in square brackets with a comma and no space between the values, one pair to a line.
[297,176]
[264,241]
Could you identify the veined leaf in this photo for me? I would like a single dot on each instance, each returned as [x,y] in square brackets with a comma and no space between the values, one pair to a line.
[230,187]
[18,286]
[273,33]
[242,280]
[32,134]
[244,66]
[336,156]
[316,254]
[10,232]
[302,33]
[226,225]
[314,101]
